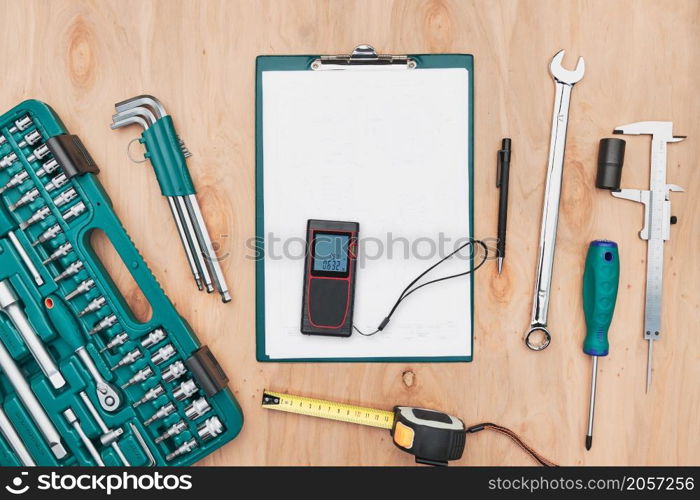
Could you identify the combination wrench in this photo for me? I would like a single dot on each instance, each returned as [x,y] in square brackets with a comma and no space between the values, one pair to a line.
[564,80]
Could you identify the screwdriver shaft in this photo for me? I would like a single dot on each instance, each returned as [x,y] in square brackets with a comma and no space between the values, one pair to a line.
[591,407]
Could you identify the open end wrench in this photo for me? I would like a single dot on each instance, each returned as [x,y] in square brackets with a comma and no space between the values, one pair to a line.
[564,81]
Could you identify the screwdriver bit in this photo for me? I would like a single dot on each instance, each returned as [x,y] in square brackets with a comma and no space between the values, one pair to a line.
[129,358]
[184,448]
[61,251]
[104,324]
[162,412]
[117,340]
[93,305]
[139,376]
[15,181]
[171,431]
[25,199]
[71,270]
[83,287]
[37,216]
[150,395]
[47,235]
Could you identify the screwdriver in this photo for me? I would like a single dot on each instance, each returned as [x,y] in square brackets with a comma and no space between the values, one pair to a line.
[601,277]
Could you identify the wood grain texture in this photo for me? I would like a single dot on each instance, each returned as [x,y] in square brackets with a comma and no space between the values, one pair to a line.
[642,63]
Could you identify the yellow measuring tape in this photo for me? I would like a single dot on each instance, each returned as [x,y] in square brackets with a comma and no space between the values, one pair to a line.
[328,410]
[435,438]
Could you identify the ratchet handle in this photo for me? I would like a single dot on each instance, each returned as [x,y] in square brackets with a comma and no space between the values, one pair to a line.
[64,321]
[600,283]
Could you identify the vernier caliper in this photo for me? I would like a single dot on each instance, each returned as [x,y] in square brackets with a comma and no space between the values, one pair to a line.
[657,222]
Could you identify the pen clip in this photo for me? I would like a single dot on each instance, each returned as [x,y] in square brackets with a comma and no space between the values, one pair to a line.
[503,156]
[499,167]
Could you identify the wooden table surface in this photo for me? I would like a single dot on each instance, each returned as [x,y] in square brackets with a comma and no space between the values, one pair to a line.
[642,63]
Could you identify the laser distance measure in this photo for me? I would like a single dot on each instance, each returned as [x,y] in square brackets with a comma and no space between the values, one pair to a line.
[433,437]
[329,278]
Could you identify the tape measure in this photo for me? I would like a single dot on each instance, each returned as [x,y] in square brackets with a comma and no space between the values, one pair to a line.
[433,437]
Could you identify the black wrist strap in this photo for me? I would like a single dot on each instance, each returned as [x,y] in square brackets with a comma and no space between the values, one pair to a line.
[411,288]
[512,435]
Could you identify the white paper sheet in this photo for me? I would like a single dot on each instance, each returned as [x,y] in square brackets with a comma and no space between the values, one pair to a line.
[387,149]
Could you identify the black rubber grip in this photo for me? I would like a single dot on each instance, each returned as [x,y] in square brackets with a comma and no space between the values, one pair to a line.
[71,155]
[207,371]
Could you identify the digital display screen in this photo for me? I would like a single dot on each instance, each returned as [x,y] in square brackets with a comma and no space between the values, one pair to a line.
[330,253]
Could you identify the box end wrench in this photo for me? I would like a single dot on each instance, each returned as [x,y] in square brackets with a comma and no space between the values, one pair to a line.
[564,82]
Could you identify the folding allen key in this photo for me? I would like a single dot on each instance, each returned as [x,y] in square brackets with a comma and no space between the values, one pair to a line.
[167,154]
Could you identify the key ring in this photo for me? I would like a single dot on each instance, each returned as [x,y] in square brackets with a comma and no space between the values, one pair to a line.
[128,152]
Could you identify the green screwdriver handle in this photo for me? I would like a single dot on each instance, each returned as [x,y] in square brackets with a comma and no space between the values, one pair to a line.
[601,278]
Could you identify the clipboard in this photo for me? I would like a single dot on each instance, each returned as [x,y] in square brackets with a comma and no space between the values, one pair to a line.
[363,59]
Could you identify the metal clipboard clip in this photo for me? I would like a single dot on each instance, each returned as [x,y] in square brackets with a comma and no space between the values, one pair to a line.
[364,57]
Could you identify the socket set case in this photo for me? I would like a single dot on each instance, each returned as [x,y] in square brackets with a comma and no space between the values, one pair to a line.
[82,381]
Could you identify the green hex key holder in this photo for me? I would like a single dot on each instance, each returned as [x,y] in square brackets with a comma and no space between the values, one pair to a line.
[82,380]
[167,154]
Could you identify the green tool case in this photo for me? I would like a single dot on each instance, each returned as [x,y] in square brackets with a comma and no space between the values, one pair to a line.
[82,381]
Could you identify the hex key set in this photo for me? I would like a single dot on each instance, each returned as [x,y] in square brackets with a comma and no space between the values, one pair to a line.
[82,381]
[167,153]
